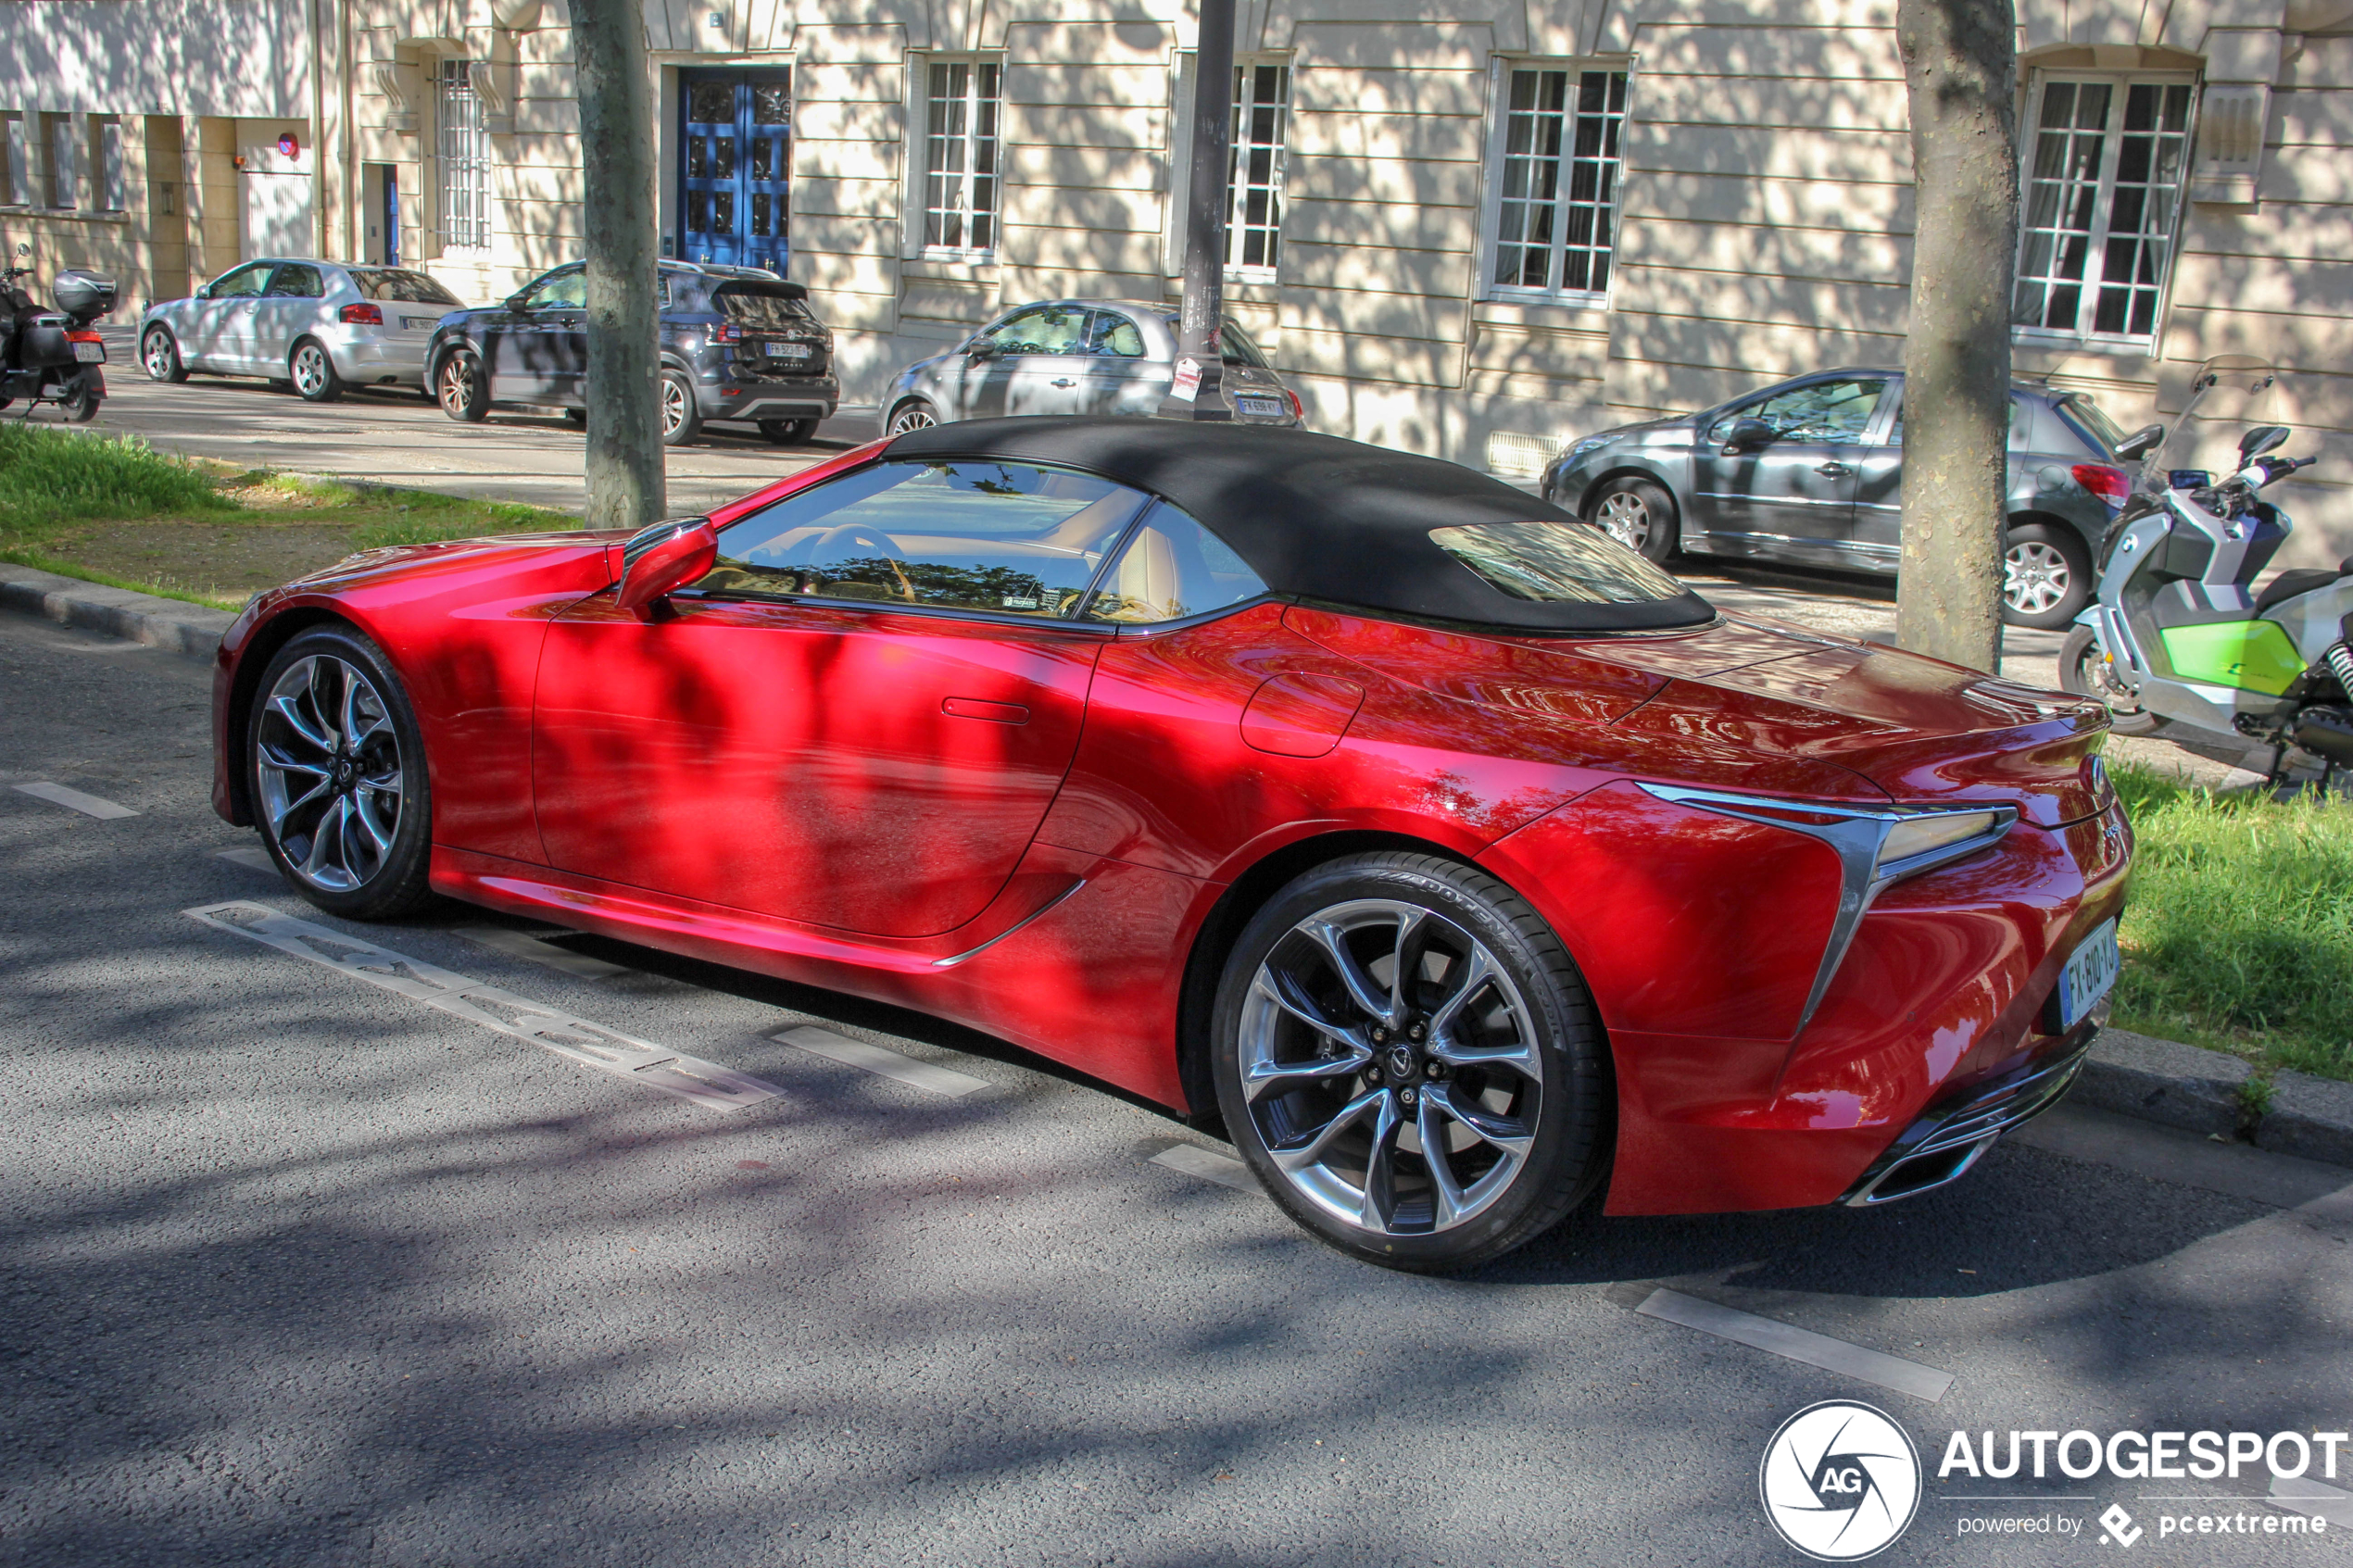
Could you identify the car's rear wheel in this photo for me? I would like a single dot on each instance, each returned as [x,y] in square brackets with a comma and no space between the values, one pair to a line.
[2086,672]
[314,372]
[1637,514]
[460,388]
[160,353]
[336,765]
[788,433]
[1408,1059]
[2047,575]
[913,414]
[79,400]
[681,421]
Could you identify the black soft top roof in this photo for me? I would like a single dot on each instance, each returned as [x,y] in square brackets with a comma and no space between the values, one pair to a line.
[1313,515]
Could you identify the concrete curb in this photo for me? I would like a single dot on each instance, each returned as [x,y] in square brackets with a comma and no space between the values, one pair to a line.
[2161,1080]
[170,624]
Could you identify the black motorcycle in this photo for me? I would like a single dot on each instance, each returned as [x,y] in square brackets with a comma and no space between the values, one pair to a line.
[53,355]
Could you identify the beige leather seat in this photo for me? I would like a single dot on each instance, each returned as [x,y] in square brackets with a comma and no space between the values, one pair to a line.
[1148,579]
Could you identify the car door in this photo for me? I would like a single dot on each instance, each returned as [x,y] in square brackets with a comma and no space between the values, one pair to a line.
[287,309]
[205,342]
[526,344]
[1119,379]
[1032,362]
[857,720]
[1791,497]
[1878,481]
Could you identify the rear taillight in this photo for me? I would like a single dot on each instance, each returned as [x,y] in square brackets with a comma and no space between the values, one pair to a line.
[361,315]
[83,337]
[1297,409]
[2112,485]
[726,334]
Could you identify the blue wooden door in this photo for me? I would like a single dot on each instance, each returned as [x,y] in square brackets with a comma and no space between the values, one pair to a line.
[735,157]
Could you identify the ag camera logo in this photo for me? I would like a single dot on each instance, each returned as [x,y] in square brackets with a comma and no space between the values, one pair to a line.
[1840,1481]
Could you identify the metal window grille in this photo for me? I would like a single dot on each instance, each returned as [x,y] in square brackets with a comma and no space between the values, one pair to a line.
[960,196]
[465,160]
[1556,226]
[1254,173]
[2103,192]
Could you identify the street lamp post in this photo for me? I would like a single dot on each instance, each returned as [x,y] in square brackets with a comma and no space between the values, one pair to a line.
[1199,390]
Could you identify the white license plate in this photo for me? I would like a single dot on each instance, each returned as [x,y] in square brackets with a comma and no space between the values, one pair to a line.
[90,353]
[2089,975]
[788,351]
[1268,408]
[419,324]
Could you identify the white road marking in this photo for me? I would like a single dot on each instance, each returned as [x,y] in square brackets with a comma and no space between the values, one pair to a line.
[252,856]
[88,804]
[2316,1498]
[1798,1344]
[99,648]
[569,1035]
[523,945]
[1192,1159]
[881,1063]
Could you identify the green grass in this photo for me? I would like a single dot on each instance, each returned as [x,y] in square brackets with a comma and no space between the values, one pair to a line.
[48,477]
[2239,931]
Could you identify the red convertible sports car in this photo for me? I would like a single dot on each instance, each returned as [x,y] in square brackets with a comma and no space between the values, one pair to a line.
[1455,856]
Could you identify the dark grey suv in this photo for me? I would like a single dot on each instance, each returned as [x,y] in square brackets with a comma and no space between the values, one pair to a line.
[736,343]
[1810,471]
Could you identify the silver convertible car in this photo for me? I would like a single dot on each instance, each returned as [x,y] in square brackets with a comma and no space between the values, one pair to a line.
[322,326]
[1076,356]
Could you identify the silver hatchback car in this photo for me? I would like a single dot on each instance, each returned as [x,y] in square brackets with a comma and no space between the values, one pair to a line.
[324,326]
[1076,356]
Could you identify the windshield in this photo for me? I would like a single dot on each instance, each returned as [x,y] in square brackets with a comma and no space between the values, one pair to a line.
[2229,393]
[402,288]
[2079,407]
[1556,564]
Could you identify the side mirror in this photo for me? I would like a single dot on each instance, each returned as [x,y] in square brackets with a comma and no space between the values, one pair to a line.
[665,555]
[2259,440]
[204,292]
[980,351]
[1747,435]
[515,302]
[2140,444]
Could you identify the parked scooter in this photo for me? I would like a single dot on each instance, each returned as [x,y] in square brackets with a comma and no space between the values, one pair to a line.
[2176,640]
[53,355]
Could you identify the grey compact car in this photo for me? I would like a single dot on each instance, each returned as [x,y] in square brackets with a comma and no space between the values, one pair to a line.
[1076,356]
[1811,470]
[323,326]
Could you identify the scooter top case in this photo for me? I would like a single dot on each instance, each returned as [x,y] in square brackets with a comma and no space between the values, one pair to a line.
[82,295]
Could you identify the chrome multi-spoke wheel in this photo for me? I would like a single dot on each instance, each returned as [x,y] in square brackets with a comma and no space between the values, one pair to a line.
[1390,1067]
[1406,1056]
[1638,514]
[913,416]
[329,768]
[2035,578]
[337,775]
[1625,519]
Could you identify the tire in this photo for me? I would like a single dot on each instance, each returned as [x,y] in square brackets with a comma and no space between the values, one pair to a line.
[576,418]
[913,414]
[313,372]
[2083,671]
[681,419]
[160,352]
[80,405]
[1637,514]
[1379,1088]
[336,767]
[2047,575]
[457,387]
[788,433]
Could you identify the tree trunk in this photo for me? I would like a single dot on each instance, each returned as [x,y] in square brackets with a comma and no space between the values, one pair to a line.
[624,468]
[1960,70]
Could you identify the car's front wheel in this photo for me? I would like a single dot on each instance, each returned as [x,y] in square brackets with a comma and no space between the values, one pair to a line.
[314,372]
[2047,575]
[681,419]
[460,388]
[337,766]
[913,414]
[1409,1061]
[1637,514]
[160,353]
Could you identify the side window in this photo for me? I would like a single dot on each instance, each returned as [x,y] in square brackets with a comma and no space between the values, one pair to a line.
[296,281]
[244,283]
[1822,412]
[1009,538]
[1114,335]
[1046,328]
[2021,425]
[560,289]
[1173,568]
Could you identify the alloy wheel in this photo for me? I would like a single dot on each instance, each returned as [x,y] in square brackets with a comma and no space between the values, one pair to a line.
[310,370]
[673,406]
[912,417]
[157,356]
[1391,1068]
[455,385]
[327,762]
[2035,577]
[1625,519]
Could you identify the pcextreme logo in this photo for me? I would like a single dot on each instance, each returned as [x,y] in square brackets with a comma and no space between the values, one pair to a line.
[1840,1481]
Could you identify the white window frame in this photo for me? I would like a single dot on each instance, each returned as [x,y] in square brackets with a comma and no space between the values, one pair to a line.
[106,163]
[921,203]
[1239,186]
[461,147]
[1493,218]
[1180,167]
[2084,332]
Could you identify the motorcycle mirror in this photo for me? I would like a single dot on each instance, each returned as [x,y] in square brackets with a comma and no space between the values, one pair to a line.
[2259,440]
[2140,444]
[23,249]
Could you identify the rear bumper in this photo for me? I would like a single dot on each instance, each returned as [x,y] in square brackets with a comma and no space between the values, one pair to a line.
[785,397]
[1962,1124]
[364,356]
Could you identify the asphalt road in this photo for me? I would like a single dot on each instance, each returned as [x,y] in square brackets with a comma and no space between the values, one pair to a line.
[297,1270]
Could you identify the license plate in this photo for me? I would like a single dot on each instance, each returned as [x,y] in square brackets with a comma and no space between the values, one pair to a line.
[90,353]
[788,351]
[419,324]
[2089,975]
[1264,408]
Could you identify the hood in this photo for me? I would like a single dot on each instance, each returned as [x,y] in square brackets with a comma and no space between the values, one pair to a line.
[471,555]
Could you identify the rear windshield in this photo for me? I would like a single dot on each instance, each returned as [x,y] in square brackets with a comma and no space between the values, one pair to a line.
[1556,564]
[2079,409]
[750,305]
[1233,345]
[402,288]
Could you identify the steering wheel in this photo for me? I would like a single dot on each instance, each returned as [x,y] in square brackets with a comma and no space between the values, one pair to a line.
[827,546]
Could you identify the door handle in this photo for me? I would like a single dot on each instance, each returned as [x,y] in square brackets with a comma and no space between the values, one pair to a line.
[1833,469]
[981,708]
[1062,381]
